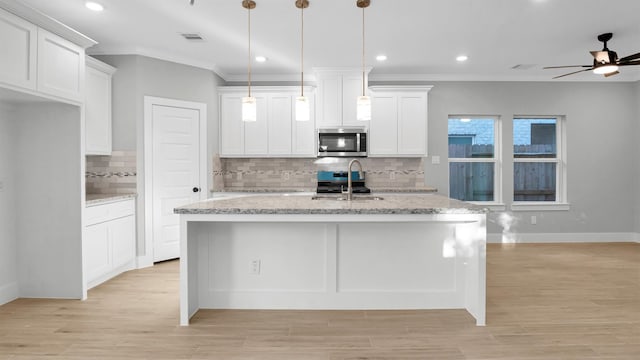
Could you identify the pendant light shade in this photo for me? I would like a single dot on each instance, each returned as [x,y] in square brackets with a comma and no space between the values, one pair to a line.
[303,110]
[363,105]
[249,106]
[249,109]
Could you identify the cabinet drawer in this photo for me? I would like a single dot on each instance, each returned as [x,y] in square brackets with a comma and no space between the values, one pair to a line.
[105,212]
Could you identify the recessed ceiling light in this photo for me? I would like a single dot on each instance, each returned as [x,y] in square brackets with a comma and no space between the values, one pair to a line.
[261,59]
[92,5]
[381,57]
[462,58]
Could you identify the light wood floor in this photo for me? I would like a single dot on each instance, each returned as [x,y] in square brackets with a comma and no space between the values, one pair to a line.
[545,301]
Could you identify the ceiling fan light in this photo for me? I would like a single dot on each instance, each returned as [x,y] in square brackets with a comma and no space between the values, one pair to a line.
[302,109]
[605,69]
[249,109]
[363,108]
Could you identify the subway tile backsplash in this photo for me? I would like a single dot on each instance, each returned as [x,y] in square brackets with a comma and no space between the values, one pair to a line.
[114,174]
[231,174]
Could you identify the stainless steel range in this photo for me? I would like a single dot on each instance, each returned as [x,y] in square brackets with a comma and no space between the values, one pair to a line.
[335,182]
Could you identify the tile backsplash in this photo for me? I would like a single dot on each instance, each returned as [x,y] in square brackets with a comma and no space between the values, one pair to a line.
[290,173]
[114,174]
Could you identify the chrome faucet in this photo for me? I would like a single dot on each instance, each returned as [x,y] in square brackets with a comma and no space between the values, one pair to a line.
[349,180]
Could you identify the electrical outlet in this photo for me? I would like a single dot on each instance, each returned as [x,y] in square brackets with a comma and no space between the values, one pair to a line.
[286,175]
[435,159]
[1,185]
[239,175]
[255,267]
[392,175]
[534,220]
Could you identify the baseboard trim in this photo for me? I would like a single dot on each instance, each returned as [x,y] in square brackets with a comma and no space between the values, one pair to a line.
[563,238]
[144,261]
[8,292]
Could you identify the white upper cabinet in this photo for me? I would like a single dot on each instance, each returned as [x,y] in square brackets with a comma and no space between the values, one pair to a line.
[398,124]
[61,67]
[275,133]
[36,61]
[338,92]
[97,107]
[18,60]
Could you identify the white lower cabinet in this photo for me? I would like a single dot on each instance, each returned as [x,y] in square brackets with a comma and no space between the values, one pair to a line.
[109,244]
[398,124]
[275,133]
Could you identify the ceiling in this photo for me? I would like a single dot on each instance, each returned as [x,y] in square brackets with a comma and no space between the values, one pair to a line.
[421,38]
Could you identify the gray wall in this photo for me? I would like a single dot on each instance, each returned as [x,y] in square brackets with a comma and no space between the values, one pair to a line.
[636,187]
[601,139]
[140,76]
[8,235]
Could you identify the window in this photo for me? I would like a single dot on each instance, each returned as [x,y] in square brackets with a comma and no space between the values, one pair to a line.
[538,160]
[473,159]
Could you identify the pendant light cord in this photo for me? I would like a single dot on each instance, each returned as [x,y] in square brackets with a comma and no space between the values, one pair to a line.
[249,54]
[302,49]
[363,51]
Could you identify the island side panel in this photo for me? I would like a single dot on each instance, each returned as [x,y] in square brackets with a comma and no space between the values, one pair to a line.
[190,235]
[330,265]
[472,242]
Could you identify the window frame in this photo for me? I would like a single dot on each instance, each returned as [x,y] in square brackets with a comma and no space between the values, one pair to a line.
[561,203]
[497,203]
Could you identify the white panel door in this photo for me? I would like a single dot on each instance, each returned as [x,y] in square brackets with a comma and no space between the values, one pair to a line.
[175,175]
[412,124]
[383,129]
[280,117]
[351,89]
[231,125]
[18,57]
[256,139]
[61,66]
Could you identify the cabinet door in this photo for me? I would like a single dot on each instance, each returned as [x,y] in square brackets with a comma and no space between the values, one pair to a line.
[330,102]
[18,56]
[351,90]
[96,250]
[383,128]
[123,240]
[304,134]
[231,125]
[60,67]
[280,118]
[97,112]
[256,132]
[412,124]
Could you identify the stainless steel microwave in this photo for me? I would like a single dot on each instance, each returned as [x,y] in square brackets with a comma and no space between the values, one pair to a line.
[342,142]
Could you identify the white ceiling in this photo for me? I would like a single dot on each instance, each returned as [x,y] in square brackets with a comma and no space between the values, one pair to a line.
[420,37]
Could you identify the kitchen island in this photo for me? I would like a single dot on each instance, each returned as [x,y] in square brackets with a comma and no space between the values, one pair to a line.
[297,251]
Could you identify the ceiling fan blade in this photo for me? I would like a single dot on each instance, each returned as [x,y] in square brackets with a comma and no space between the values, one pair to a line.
[566,66]
[612,73]
[571,73]
[630,58]
[629,63]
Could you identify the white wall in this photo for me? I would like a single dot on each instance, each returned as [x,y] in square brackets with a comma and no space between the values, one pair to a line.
[140,76]
[8,236]
[636,186]
[602,135]
[49,197]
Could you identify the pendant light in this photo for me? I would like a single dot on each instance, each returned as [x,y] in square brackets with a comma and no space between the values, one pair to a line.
[302,102]
[249,110]
[363,105]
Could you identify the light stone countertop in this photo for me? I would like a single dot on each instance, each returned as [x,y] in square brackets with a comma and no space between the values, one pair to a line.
[303,204]
[97,199]
[306,190]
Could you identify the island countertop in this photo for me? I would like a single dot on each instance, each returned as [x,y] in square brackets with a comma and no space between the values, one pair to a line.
[304,204]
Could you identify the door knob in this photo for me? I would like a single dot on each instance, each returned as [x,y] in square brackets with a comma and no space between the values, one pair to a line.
[196,189]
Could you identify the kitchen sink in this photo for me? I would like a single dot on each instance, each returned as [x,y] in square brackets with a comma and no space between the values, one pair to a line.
[344,198]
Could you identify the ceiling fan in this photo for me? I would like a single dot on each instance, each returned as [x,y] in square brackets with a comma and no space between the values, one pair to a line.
[605,62]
